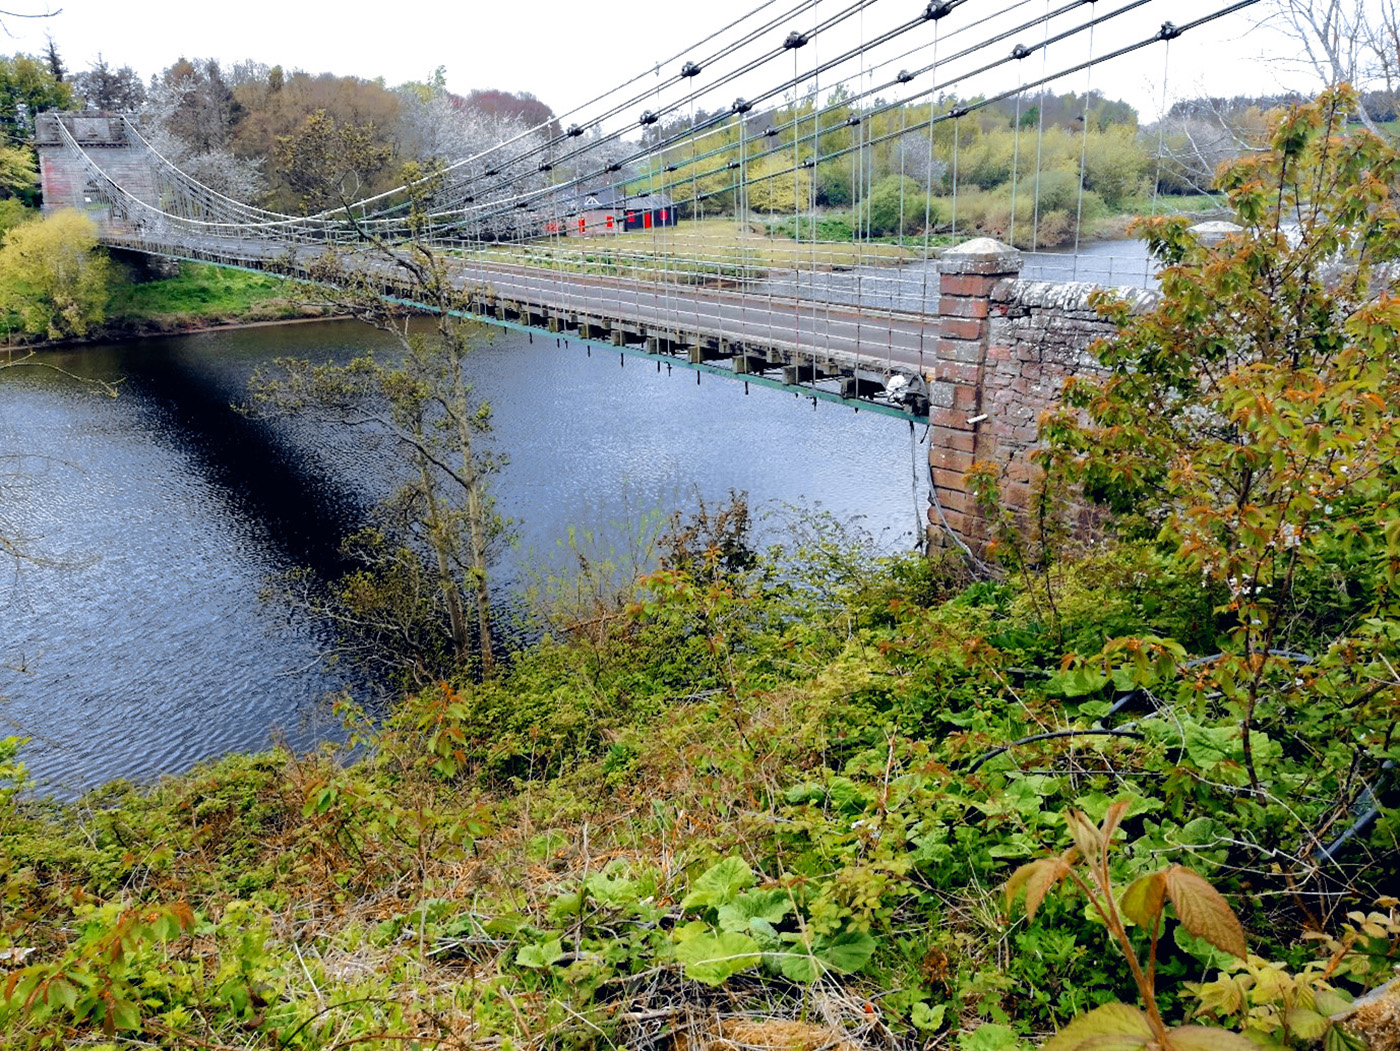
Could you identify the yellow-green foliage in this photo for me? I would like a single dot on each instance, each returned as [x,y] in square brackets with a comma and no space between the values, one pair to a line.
[18,172]
[52,276]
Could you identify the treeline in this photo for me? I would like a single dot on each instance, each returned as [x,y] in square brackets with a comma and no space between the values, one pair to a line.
[1026,170]
[290,141]
[1032,170]
[294,142]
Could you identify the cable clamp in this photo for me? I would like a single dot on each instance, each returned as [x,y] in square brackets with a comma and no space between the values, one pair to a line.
[1169,31]
[794,40]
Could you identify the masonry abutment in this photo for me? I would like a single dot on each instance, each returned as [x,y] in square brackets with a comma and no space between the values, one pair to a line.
[959,436]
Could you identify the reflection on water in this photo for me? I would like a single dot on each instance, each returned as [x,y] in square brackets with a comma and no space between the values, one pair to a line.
[144,647]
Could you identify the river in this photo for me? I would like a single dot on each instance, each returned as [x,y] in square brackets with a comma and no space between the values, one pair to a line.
[914,286]
[139,645]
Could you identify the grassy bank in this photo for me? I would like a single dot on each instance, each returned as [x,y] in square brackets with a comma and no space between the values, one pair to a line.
[201,295]
[769,806]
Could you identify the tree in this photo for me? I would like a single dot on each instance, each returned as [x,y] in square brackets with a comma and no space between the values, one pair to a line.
[19,173]
[894,205]
[774,187]
[1249,428]
[424,406]
[54,277]
[189,116]
[55,62]
[27,88]
[113,90]
[199,106]
[327,163]
[1345,42]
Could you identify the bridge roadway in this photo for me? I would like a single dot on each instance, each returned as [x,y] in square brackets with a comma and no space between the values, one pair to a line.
[807,339]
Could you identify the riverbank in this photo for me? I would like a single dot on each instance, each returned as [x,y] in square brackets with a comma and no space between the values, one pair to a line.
[771,807]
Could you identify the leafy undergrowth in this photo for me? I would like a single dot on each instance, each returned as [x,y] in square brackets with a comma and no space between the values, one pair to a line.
[771,806]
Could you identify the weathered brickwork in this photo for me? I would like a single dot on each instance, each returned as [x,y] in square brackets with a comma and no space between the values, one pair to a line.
[1008,345]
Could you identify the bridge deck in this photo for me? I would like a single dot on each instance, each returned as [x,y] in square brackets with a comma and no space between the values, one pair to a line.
[808,340]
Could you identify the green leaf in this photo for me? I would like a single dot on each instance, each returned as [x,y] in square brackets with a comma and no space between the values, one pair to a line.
[1330,1001]
[1107,1020]
[540,956]
[63,993]
[1305,1023]
[126,1014]
[798,967]
[714,956]
[1142,901]
[847,952]
[989,1036]
[1207,747]
[1207,1038]
[719,885]
[927,1018]
[770,905]
[1338,1039]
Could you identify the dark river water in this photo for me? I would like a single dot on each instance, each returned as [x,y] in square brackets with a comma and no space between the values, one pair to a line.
[138,644]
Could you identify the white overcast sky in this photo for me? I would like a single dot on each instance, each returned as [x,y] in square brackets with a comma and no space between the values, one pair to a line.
[568,52]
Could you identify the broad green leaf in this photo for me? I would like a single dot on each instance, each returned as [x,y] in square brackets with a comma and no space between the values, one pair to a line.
[989,1036]
[770,905]
[720,884]
[1142,901]
[1204,912]
[126,1014]
[927,1018]
[1107,1020]
[1207,1038]
[565,906]
[540,956]
[1338,1039]
[763,932]
[63,993]
[847,952]
[613,886]
[798,967]
[1305,1023]
[846,795]
[1209,746]
[1330,1001]
[714,956]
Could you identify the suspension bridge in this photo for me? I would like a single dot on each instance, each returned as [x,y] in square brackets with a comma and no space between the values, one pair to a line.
[534,229]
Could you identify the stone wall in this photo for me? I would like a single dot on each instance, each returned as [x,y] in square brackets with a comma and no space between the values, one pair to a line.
[1006,348]
[64,180]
